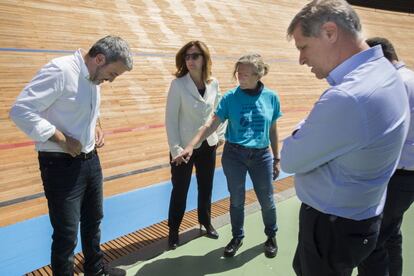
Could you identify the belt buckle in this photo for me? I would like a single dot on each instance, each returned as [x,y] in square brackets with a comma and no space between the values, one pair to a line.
[83,156]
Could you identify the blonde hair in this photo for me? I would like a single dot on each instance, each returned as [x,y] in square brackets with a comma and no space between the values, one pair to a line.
[256,61]
[181,66]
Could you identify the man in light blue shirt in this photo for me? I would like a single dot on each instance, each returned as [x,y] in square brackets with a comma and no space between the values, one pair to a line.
[345,151]
[386,259]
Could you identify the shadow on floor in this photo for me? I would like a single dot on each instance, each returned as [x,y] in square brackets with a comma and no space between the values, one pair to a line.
[154,248]
[210,263]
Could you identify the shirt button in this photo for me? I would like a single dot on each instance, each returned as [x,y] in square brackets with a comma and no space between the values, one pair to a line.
[365,241]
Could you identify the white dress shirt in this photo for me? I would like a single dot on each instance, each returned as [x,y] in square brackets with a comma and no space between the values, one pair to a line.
[187,111]
[346,150]
[61,97]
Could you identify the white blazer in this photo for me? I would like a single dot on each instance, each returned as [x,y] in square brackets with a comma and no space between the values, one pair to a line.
[186,112]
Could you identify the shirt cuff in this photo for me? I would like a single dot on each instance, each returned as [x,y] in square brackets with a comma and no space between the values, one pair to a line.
[42,131]
[176,150]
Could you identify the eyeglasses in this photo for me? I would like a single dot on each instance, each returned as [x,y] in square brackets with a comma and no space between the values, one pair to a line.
[193,56]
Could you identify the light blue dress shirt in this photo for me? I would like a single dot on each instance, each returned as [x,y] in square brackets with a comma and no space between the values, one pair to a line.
[407,155]
[346,150]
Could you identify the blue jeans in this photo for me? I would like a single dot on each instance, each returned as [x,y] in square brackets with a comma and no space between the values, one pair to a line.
[237,161]
[73,188]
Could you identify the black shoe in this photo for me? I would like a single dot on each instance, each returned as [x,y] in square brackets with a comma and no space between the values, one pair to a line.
[114,271]
[231,249]
[270,247]
[173,240]
[211,232]
[107,271]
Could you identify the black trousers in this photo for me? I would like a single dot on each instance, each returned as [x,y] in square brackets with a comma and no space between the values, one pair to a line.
[386,259]
[330,245]
[204,161]
[73,188]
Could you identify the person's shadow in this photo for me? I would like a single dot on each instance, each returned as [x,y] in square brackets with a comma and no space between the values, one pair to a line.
[212,262]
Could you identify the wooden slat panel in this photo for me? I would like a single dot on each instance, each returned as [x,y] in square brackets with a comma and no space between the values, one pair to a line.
[133,106]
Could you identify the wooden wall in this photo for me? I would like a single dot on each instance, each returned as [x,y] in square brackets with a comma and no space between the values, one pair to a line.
[34,31]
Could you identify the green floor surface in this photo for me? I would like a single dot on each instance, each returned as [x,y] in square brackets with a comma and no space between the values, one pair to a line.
[203,256]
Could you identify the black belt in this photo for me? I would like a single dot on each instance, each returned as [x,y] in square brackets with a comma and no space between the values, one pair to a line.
[82,155]
[333,217]
[404,172]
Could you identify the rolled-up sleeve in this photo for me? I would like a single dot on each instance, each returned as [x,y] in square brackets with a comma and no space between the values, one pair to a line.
[333,127]
[35,98]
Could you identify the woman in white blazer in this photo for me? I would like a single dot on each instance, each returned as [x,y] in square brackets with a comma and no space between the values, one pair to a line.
[191,100]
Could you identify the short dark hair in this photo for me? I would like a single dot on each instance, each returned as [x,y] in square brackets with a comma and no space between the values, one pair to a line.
[386,45]
[114,49]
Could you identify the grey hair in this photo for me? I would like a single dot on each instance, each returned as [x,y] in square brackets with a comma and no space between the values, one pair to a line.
[318,12]
[114,49]
[256,61]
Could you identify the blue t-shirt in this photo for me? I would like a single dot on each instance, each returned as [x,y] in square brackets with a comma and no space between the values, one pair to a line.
[249,116]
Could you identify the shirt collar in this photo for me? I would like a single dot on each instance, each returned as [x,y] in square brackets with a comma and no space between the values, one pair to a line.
[337,75]
[256,91]
[83,68]
[399,65]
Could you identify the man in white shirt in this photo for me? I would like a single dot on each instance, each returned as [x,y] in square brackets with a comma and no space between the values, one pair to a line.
[59,110]
[344,153]
[387,259]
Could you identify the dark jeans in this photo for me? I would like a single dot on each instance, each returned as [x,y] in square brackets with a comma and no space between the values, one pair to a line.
[330,245]
[237,162]
[386,259]
[73,188]
[204,160]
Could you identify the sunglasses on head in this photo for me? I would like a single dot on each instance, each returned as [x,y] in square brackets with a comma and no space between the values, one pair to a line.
[193,56]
